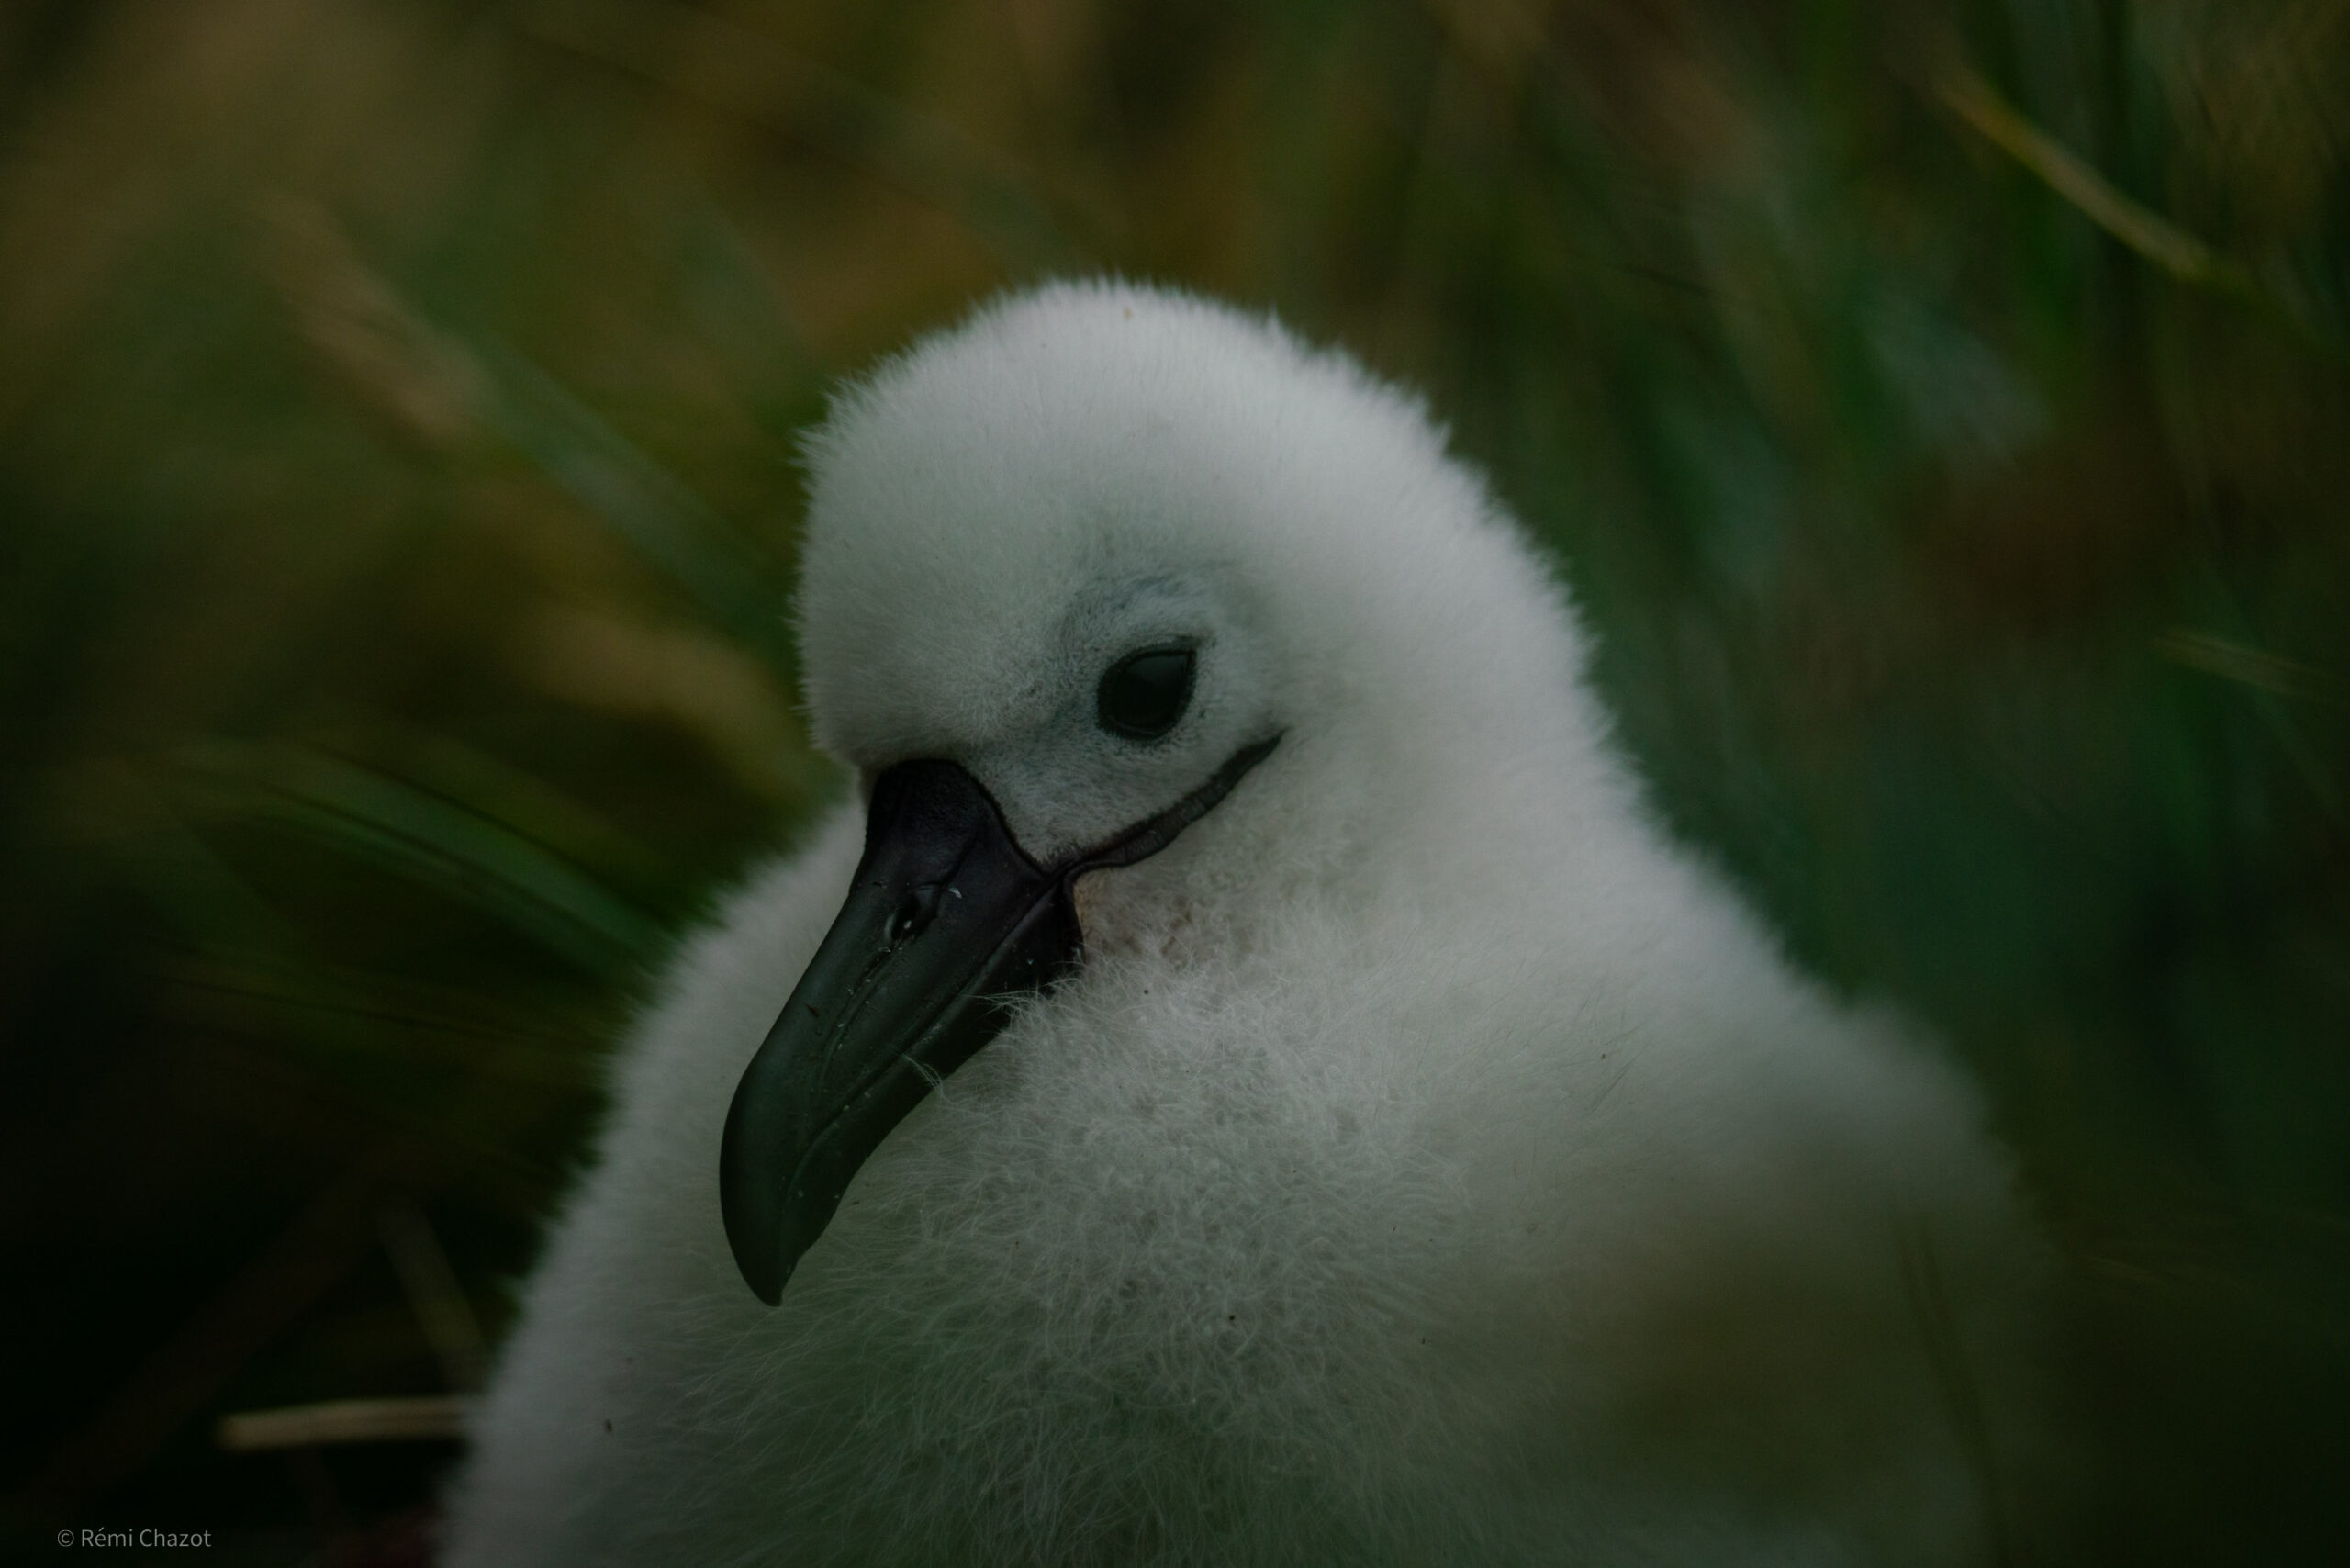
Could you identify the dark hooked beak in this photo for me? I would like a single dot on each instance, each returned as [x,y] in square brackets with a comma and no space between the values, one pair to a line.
[948,923]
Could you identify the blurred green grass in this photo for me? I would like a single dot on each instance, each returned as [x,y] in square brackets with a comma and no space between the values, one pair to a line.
[1943,412]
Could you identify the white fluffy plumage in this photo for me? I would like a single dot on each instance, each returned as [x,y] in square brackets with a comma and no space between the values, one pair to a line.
[1431,1162]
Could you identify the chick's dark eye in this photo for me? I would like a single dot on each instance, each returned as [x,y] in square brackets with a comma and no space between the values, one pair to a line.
[1143,694]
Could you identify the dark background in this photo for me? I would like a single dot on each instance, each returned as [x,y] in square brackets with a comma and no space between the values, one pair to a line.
[1941,410]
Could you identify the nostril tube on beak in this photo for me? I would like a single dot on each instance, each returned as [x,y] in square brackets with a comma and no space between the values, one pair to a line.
[913,915]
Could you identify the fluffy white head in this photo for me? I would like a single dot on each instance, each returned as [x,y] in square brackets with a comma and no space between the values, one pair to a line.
[1092,469]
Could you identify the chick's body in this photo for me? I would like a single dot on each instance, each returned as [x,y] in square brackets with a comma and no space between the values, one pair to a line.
[1429,1163]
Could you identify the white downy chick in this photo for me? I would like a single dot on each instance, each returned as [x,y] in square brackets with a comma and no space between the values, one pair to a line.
[1424,1162]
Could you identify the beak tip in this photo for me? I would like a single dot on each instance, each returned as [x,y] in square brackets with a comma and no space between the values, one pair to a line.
[765,1274]
[758,1254]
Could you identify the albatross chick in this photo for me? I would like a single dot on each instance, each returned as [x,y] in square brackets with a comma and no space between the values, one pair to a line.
[1248,1079]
